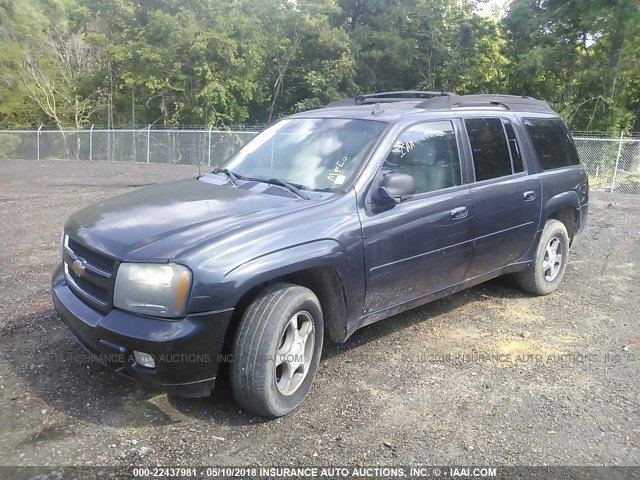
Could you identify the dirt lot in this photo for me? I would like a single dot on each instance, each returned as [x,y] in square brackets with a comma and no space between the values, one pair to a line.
[562,385]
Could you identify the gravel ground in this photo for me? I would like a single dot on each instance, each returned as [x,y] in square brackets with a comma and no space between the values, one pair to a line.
[488,376]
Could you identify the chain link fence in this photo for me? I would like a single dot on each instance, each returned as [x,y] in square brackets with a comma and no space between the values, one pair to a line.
[612,161]
[187,147]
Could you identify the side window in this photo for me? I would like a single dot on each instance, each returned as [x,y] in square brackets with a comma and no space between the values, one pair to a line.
[491,157]
[514,148]
[552,143]
[429,153]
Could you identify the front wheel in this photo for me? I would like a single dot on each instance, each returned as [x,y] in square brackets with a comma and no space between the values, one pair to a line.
[277,350]
[550,263]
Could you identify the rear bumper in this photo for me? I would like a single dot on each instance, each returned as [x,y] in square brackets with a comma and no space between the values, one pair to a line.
[186,352]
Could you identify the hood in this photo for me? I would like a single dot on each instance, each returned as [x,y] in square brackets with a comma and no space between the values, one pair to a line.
[162,221]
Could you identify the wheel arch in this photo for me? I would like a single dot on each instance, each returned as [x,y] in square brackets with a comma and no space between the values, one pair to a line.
[316,266]
[564,207]
[569,217]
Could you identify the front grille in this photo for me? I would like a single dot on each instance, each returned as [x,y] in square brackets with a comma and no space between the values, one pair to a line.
[92,258]
[95,291]
[94,285]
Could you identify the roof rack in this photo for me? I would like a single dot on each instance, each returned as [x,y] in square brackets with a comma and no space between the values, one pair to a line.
[387,97]
[505,102]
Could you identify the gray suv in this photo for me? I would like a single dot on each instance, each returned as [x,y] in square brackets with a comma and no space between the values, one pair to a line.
[327,221]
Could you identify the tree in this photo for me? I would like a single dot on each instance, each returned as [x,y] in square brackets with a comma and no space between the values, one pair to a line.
[223,62]
[573,53]
[56,84]
[17,35]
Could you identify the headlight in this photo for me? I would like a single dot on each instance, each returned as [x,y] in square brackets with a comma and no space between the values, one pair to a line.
[153,289]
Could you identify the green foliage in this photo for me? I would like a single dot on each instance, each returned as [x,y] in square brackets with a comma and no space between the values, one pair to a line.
[580,55]
[9,145]
[73,63]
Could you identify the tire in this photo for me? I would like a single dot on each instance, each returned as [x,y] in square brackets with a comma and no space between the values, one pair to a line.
[266,349]
[544,277]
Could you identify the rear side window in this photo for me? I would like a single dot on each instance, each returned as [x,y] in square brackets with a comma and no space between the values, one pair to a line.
[491,158]
[552,143]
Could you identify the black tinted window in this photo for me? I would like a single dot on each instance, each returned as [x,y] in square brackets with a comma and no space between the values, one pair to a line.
[429,153]
[491,157]
[514,148]
[552,142]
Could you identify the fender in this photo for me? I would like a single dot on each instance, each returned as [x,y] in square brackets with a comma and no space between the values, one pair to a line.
[558,202]
[321,253]
[346,259]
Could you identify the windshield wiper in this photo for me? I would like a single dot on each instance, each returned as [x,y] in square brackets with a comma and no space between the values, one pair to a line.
[233,178]
[292,187]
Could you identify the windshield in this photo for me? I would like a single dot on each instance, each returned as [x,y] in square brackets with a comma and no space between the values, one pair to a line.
[319,154]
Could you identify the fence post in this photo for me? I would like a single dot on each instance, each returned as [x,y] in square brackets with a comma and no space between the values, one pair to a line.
[615,169]
[38,147]
[148,142]
[209,148]
[91,143]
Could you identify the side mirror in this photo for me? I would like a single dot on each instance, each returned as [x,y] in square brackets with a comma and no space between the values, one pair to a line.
[396,188]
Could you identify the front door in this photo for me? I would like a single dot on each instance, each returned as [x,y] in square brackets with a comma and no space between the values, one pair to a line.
[424,244]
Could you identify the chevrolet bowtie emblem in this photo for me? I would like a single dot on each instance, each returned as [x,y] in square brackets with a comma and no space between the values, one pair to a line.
[78,268]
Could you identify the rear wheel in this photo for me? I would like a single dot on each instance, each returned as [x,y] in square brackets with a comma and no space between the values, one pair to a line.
[277,350]
[550,263]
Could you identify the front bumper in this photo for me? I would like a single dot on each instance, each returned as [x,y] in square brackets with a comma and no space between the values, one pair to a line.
[186,352]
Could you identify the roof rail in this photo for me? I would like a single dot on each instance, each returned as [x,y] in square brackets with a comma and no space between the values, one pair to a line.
[506,102]
[387,97]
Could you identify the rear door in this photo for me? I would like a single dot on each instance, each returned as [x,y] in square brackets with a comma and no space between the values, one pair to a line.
[506,200]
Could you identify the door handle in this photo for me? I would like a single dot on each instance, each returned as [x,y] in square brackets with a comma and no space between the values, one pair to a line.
[529,195]
[460,212]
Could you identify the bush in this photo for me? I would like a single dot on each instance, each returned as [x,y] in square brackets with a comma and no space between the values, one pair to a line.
[9,145]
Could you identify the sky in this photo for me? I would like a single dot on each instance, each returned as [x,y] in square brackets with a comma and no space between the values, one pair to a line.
[493,7]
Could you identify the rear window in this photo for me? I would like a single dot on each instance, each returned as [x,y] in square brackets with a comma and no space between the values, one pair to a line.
[552,143]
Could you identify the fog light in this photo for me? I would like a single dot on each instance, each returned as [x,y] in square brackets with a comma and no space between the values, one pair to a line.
[144,359]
